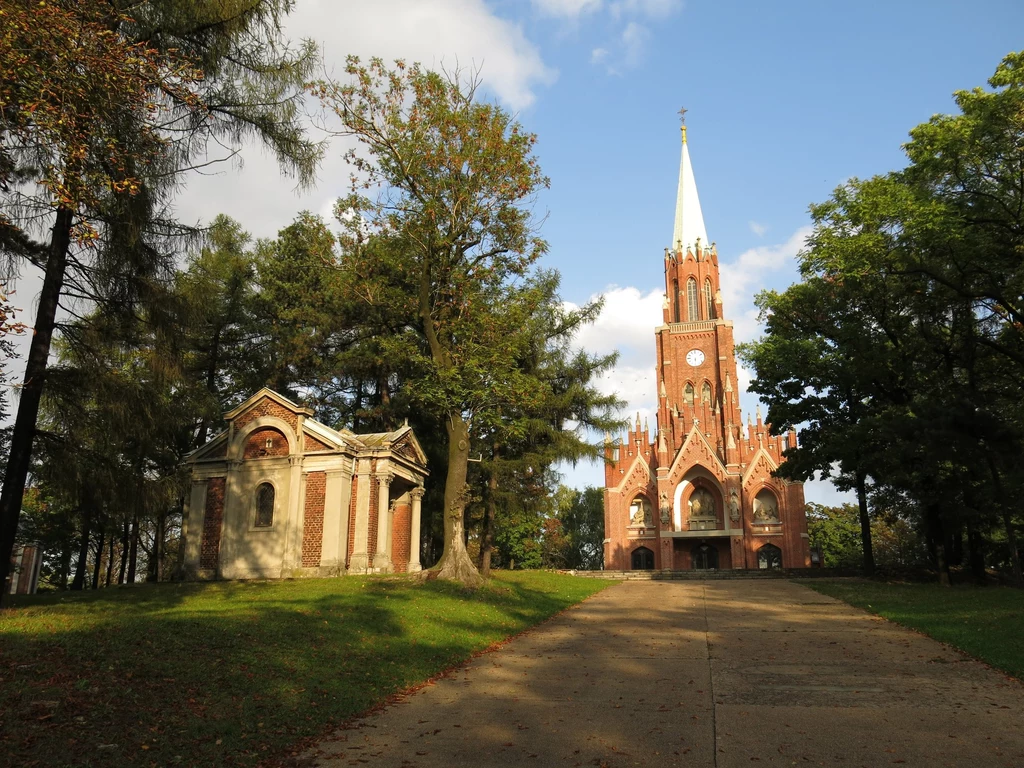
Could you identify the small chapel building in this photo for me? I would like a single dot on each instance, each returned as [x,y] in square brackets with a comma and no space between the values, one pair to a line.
[277,494]
[699,494]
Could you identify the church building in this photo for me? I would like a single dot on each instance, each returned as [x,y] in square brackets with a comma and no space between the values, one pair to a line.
[699,493]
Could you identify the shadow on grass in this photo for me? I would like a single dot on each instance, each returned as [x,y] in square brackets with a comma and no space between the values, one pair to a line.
[235,673]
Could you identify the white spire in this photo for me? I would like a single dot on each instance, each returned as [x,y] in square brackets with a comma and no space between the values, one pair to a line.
[689,219]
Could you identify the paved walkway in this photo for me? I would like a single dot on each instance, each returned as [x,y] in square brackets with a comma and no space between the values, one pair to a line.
[729,673]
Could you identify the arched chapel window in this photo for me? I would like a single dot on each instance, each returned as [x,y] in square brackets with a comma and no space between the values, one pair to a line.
[691,300]
[705,393]
[769,558]
[709,301]
[264,505]
[688,393]
[675,301]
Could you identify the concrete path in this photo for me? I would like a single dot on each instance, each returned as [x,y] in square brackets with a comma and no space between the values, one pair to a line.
[727,673]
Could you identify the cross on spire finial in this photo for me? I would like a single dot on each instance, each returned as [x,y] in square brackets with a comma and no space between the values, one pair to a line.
[682,115]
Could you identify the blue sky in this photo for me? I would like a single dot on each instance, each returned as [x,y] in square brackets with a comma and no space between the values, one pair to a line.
[786,100]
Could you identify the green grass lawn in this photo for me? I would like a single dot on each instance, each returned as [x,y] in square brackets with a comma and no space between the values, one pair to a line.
[985,622]
[237,673]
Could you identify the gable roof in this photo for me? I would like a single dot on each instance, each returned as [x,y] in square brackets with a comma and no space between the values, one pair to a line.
[267,392]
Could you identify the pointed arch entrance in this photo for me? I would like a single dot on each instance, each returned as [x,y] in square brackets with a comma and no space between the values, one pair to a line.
[643,559]
[704,557]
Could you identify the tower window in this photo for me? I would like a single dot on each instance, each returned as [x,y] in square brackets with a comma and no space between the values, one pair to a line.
[709,301]
[675,300]
[705,393]
[692,310]
[688,394]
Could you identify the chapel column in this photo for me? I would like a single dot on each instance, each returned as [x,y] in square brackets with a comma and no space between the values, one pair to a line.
[414,534]
[382,558]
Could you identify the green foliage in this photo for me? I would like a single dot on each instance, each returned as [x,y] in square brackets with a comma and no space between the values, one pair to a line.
[580,528]
[985,622]
[901,351]
[239,673]
[835,532]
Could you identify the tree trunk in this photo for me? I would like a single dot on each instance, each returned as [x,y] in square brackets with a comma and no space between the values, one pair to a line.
[123,565]
[487,528]
[976,557]
[1011,533]
[65,566]
[933,521]
[83,550]
[110,560]
[865,525]
[133,549]
[455,562]
[20,455]
[157,555]
[98,565]
[1011,542]
[211,385]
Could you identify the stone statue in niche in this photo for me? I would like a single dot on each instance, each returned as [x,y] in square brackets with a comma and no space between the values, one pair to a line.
[702,505]
[765,510]
[734,505]
[640,512]
[666,508]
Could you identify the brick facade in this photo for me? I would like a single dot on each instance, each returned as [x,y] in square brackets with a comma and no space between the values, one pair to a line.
[400,537]
[313,521]
[267,407]
[352,521]
[310,443]
[702,477]
[212,518]
[266,442]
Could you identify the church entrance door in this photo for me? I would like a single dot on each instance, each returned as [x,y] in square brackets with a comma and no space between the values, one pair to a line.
[643,559]
[704,557]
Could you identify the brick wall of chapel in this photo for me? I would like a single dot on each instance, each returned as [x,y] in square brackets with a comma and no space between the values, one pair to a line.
[209,548]
[401,529]
[313,519]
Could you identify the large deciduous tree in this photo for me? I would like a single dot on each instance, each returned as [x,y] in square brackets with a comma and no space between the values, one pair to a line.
[903,347]
[446,181]
[104,105]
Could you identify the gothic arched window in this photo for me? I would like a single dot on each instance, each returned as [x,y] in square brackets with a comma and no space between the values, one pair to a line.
[709,301]
[692,310]
[675,301]
[705,393]
[688,393]
[264,505]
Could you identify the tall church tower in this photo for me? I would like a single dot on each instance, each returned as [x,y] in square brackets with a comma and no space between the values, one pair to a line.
[699,494]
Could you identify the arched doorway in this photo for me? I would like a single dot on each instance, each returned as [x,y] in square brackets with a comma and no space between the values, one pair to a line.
[769,558]
[643,559]
[704,557]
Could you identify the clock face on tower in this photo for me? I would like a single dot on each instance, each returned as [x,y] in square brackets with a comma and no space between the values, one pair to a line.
[695,357]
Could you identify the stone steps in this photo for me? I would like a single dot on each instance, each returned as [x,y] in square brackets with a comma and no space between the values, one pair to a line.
[784,573]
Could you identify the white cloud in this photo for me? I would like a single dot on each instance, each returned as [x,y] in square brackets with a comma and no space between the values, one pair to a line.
[742,277]
[449,33]
[634,41]
[655,9]
[432,32]
[569,9]
[598,55]
[757,229]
